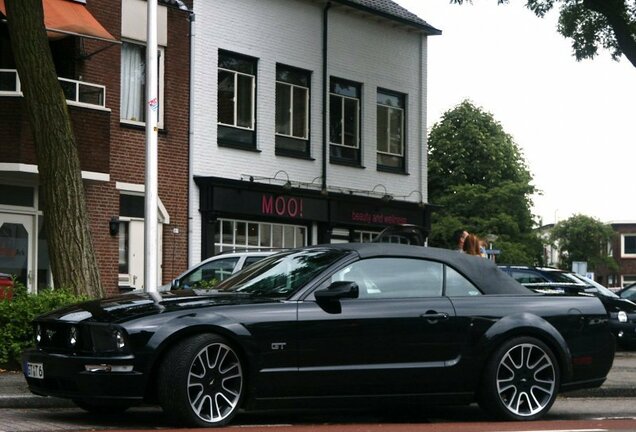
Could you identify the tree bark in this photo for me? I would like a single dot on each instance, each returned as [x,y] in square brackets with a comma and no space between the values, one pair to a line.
[66,221]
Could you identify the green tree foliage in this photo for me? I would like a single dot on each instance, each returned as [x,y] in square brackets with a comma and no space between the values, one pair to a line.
[583,238]
[16,331]
[479,178]
[592,25]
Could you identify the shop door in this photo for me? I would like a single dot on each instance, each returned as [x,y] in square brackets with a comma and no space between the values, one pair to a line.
[16,247]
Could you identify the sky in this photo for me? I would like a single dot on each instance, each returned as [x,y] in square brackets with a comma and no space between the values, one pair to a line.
[573,121]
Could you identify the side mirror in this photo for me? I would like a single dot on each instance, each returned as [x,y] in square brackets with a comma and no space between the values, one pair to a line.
[174,284]
[338,290]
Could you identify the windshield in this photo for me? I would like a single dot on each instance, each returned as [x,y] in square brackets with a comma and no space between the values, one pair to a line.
[601,289]
[281,274]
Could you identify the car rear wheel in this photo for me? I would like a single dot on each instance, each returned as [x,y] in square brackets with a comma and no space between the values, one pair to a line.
[201,382]
[521,380]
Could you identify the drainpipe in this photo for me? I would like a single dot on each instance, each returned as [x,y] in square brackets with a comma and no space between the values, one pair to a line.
[191,186]
[325,93]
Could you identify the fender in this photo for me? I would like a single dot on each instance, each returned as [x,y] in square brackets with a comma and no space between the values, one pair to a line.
[194,322]
[527,324]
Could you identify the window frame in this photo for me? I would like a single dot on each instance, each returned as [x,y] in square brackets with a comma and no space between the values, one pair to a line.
[284,141]
[357,159]
[160,85]
[232,134]
[402,109]
[623,253]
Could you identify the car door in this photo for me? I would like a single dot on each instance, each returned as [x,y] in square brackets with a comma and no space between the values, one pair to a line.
[397,337]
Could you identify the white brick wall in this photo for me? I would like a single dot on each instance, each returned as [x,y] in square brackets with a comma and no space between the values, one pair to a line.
[362,48]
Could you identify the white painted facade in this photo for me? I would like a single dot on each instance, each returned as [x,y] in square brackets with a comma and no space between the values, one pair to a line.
[365,48]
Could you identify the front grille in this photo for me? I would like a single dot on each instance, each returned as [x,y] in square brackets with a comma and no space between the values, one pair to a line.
[56,337]
[91,338]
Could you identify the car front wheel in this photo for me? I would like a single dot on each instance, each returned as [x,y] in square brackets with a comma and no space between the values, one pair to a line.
[201,382]
[521,380]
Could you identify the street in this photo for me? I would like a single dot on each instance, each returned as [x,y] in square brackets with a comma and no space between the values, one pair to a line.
[614,414]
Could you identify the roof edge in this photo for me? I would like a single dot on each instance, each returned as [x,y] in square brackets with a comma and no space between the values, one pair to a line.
[426,28]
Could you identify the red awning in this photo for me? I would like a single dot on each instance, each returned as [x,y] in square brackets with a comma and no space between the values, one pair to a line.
[66,17]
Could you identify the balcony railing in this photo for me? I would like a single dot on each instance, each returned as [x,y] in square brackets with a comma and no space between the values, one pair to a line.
[77,92]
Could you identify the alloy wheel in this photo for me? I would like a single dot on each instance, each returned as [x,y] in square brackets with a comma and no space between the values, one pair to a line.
[215,380]
[526,379]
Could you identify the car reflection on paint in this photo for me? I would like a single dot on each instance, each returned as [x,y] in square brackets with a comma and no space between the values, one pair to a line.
[327,325]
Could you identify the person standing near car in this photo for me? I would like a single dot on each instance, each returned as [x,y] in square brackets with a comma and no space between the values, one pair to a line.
[472,245]
[459,237]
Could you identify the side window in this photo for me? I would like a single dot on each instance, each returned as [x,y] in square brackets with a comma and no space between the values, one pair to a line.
[394,277]
[252,260]
[458,286]
[527,277]
[210,273]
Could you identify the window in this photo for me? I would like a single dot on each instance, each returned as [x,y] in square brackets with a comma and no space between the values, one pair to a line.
[394,277]
[628,279]
[524,277]
[292,111]
[238,235]
[133,84]
[344,122]
[236,100]
[628,245]
[210,273]
[458,286]
[390,131]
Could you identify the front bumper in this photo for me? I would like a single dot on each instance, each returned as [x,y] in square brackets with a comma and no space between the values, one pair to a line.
[66,376]
[625,332]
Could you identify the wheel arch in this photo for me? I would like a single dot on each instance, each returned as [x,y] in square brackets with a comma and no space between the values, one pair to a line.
[526,324]
[239,341]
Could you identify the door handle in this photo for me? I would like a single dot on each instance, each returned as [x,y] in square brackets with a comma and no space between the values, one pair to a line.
[432,317]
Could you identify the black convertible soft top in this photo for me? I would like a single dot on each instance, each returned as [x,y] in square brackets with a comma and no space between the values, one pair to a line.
[482,272]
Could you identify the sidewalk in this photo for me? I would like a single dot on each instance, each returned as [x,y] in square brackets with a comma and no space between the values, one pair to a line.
[621,382]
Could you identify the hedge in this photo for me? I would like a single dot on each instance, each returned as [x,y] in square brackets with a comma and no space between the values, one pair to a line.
[16,331]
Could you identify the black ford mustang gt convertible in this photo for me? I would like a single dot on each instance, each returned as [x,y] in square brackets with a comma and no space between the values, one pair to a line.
[325,325]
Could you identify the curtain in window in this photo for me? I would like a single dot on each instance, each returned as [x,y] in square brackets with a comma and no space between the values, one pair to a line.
[133,80]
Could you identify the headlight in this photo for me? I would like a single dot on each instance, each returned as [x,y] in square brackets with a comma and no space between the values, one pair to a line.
[38,333]
[72,336]
[120,341]
[108,339]
[622,317]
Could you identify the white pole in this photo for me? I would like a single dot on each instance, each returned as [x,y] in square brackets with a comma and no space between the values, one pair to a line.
[151,185]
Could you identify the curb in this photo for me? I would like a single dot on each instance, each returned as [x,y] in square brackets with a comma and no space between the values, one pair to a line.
[33,401]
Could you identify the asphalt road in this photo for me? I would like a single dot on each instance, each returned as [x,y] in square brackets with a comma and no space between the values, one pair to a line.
[615,414]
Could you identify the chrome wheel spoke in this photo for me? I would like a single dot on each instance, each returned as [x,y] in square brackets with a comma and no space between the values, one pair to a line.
[526,379]
[214,384]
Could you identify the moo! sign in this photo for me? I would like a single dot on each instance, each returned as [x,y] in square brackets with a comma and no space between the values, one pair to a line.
[283,206]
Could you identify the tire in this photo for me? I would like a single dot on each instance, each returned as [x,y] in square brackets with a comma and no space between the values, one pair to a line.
[102,408]
[201,382]
[520,381]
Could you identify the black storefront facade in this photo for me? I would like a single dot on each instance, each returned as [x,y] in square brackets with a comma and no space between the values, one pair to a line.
[244,215]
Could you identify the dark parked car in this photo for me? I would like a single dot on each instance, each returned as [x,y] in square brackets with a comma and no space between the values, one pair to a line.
[629,292]
[622,312]
[334,324]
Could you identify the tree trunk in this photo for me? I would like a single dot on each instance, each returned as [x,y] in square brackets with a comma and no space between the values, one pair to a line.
[66,221]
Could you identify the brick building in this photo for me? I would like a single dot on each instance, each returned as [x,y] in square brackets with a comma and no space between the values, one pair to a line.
[308,126]
[309,122]
[100,67]
[623,249]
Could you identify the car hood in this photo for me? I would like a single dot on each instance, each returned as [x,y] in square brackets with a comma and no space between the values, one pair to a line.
[618,304]
[130,306]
